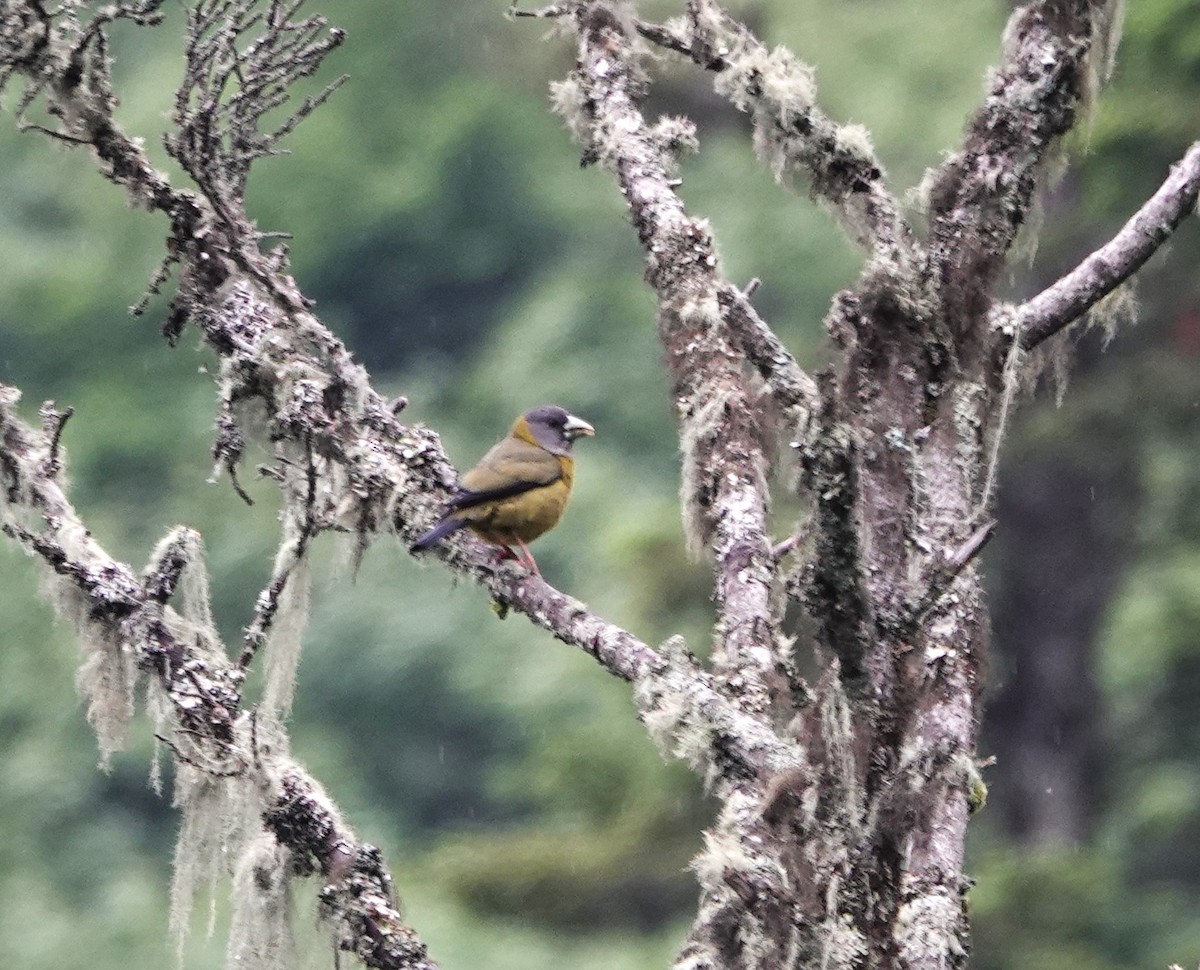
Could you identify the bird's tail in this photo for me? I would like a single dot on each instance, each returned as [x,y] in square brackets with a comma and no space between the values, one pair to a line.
[439,531]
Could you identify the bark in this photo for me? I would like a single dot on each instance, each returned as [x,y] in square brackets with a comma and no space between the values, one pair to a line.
[844,804]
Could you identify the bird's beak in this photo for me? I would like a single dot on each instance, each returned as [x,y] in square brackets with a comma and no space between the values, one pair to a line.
[577,427]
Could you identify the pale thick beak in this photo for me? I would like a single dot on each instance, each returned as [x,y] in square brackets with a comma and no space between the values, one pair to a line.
[577,427]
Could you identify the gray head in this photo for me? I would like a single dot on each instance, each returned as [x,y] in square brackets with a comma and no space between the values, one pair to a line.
[552,427]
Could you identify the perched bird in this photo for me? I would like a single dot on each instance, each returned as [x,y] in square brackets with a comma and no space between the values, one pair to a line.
[520,487]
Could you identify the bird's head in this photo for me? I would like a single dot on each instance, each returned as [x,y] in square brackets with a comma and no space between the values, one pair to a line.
[552,428]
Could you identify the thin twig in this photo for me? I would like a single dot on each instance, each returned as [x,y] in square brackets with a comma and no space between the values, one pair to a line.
[204,769]
[551,10]
[798,537]
[954,561]
[269,600]
[671,40]
[53,422]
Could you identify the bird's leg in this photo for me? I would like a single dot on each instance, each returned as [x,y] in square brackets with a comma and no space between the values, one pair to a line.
[506,552]
[529,560]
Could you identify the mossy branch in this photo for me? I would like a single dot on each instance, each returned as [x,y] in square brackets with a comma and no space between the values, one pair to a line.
[791,132]
[120,615]
[361,469]
[794,390]
[980,197]
[724,487]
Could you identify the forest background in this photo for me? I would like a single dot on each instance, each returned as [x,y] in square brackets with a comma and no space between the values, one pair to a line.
[445,229]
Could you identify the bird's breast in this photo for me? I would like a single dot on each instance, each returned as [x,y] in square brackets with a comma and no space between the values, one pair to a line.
[526,516]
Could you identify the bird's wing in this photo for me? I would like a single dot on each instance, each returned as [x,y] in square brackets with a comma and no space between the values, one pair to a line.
[510,468]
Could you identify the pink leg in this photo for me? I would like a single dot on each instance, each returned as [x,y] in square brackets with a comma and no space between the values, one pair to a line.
[529,560]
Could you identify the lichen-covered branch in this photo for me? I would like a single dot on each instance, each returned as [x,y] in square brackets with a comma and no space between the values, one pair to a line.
[895,462]
[724,487]
[125,620]
[980,197]
[65,61]
[242,62]
[1068,299]
[358,890]
[376,473]
[844,806]
[359,469]
[234,774]
[347,463]
[752,913]
[790,131]
[793,389]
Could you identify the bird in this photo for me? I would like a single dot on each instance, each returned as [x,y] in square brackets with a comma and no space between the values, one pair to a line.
[520,487]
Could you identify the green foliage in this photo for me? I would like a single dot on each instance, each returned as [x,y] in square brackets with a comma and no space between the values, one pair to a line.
[1040,909]
[575,880]
[444,227]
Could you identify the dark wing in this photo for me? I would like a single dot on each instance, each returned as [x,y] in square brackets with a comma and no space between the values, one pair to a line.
[442,529]
[510,468]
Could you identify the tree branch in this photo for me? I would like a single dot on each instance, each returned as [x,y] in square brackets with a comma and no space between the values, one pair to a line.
[358,894]
[384,475]
[391,476]
[369,474]
[743,880]
[794,390]
[117,612]
[979,197]
[1065,301]
[724,465]
[790,131]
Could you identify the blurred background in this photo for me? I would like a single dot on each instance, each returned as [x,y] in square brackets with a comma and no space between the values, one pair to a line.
[447,233]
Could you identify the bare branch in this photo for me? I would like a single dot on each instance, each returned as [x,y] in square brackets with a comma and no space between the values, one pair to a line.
[799,536]
[241,65]
[681,43]
[53,423]
[954,561]
[154,287]
[1065,301]
[958,559]
[547,12]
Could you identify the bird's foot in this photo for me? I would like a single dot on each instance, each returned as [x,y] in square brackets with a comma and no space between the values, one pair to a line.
[524,557]
[530,562]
